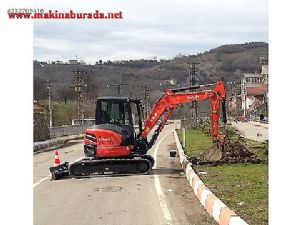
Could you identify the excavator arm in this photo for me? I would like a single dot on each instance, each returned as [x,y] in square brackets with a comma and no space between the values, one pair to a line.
[173,97]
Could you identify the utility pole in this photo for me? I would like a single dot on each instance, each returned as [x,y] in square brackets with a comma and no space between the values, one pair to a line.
[118,87]
[192,77]
[146,91]
[49,103]
[244,96]
[264,72]
[79,86]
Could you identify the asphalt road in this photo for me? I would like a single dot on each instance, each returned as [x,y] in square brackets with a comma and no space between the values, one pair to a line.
[251,131]
[163,197]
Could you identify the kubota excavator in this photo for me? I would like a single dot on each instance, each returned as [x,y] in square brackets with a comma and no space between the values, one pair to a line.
[113,147]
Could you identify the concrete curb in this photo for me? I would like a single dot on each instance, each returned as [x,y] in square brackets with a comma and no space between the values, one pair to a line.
[214,206]
[38,146]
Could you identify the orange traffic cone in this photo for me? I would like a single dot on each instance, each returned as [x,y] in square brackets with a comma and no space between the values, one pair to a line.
[56,158]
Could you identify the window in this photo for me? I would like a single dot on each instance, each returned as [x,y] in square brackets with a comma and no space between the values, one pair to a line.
[110,112]
[135,115]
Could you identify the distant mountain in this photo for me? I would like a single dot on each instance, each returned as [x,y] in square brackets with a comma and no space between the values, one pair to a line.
[228,61]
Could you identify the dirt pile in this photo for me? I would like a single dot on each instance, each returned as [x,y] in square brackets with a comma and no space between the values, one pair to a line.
[233,152]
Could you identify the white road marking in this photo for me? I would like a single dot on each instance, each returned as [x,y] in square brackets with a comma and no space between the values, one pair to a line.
[46,178]
[40,181]
[161,196]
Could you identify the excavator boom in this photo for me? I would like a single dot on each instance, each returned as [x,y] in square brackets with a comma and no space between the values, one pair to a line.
[173,97]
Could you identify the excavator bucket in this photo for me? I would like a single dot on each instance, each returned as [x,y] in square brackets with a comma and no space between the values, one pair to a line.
[215,153]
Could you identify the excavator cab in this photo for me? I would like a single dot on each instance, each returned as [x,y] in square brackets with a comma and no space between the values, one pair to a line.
[116,118]
[121,111]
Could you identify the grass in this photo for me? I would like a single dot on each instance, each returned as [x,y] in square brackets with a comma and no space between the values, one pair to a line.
[242,187]
[199,140]
[196,141]
[259,148]
[64,113]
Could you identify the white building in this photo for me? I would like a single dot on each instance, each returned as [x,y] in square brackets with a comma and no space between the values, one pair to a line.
[254,90]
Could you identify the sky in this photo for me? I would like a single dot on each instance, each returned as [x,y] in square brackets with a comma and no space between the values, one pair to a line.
[149,28]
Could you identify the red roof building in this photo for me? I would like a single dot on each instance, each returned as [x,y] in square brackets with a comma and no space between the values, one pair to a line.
[253,91]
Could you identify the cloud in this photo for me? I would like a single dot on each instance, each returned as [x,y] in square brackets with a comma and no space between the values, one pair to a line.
[149,28]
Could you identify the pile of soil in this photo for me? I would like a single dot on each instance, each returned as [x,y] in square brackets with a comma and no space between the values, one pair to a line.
[233,152]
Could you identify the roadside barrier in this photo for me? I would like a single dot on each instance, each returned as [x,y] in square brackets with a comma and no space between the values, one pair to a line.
[39,146]
[214,206]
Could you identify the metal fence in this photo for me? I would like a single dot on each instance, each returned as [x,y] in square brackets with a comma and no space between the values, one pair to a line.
[79,129]
[67,130]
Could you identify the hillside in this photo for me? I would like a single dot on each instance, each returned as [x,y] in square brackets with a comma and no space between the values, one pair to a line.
[228,61]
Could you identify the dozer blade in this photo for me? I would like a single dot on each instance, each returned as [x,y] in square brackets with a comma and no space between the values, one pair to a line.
[59,171]
[90,167]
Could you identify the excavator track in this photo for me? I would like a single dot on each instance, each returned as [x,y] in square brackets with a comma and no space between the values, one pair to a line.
[91,167]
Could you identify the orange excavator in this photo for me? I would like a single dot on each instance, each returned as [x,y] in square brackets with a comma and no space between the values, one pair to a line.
[112,146]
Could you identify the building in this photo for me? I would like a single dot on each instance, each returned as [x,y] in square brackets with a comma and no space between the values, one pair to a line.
[73,61]
[58,62]
[264,69]
[39,108]
[254,92]
[251,85]
[234,105]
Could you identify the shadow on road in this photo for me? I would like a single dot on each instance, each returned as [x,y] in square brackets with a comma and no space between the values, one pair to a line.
[158,171]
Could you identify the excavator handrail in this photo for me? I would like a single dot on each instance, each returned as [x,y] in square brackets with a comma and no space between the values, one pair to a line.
[194,87]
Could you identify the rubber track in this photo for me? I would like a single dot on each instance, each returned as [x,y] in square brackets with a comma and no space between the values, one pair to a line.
[104,167]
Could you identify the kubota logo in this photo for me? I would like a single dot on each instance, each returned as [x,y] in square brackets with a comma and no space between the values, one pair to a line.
[193,97]
[105,139]
[153,117]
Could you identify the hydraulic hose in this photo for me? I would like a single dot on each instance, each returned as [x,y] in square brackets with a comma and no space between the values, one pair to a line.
[224,111]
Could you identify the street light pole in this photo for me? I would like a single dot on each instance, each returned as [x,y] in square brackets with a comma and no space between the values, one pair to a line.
[118,87]
[49,103]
